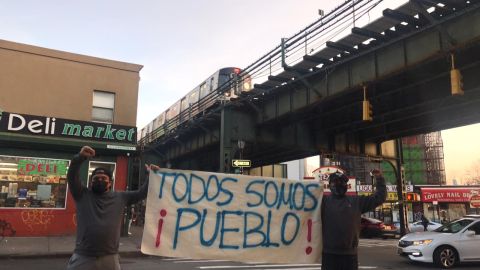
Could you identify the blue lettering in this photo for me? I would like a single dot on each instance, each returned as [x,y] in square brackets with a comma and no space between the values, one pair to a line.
[302,199]
[223,230]
[285,201]
[284,225]
[174,187]
[202,229]
[226,191]
[312,197]
[266,193]
[164,175]
[267,242]
[191,188]
[179,228]
[248,191]
[255,230]
[217,184]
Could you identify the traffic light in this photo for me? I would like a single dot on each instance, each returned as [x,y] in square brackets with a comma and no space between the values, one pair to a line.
[457,82]
[412,197]
[367,111]
[456,79]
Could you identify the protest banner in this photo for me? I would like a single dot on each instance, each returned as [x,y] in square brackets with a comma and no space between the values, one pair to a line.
[204,215]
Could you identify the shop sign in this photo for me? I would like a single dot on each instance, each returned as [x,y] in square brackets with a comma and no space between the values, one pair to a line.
[58,127]
[447,194]
[391,196]
[390,188]
[322,173]
[475,201]
[42,167]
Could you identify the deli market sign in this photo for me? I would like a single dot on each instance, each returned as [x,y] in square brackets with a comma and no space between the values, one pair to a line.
[448,194]
[58,127]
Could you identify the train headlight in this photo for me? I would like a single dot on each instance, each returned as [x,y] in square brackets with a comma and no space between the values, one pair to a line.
[247,86]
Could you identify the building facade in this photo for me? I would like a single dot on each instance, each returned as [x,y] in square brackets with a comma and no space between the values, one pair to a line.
[53,103]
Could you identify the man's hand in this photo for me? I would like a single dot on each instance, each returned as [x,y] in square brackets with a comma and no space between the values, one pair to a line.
[152,167]
[87,152]
[376,173]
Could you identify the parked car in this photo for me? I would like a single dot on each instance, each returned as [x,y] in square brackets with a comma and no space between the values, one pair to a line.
[371,227]
[455,242]
[417,226]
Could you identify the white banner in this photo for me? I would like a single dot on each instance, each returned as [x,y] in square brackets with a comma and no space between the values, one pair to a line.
[205,215]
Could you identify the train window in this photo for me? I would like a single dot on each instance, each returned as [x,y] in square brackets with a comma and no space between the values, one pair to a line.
[160,120]
[193,97]
[203,90]
[184,104]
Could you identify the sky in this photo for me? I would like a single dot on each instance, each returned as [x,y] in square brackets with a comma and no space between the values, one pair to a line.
[179,43]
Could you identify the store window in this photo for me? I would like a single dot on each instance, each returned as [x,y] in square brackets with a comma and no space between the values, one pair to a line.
[103,106]
[33,182]
[92,165]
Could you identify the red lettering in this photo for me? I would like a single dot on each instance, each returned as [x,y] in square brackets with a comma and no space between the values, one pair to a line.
[29,167]
[40,168]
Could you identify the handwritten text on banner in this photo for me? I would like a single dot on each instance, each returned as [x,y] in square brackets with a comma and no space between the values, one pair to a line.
[207,215]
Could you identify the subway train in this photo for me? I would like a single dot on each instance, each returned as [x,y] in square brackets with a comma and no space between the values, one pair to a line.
[223,85]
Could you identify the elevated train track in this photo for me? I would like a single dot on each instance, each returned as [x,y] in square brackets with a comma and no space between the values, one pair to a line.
[313,103]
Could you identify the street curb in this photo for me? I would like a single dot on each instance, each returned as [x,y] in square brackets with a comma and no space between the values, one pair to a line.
[126,254]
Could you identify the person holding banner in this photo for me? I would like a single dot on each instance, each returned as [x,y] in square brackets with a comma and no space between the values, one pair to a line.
[341,215]
[99,215]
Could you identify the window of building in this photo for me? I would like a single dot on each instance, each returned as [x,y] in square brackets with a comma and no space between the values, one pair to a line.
[103,106]
[33,182]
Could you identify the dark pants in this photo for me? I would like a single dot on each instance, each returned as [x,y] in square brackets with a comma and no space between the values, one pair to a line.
[339,262]
[81,262]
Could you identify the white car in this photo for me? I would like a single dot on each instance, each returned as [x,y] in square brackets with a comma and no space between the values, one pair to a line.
[457,241]
[417,226]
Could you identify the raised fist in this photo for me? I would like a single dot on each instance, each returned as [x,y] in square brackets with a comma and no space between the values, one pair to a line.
[87,152]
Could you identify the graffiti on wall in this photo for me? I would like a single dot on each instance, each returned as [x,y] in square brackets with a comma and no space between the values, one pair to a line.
[6,229]
[37,217]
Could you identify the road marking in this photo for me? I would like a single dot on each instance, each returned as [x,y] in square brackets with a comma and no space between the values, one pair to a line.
[256,265]
[198,261]
[312,266]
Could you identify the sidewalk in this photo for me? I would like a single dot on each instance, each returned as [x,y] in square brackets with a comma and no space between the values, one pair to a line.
[55,246]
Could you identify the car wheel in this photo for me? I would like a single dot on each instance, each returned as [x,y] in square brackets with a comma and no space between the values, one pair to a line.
[445,257]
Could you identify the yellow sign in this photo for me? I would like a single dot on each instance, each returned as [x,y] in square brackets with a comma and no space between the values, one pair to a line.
[391,196]
[241,163]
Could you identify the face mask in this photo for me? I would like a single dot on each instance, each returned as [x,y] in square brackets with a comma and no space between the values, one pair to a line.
[99,187]
[338,189]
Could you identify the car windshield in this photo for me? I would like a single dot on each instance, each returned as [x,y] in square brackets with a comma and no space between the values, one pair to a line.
[454,226]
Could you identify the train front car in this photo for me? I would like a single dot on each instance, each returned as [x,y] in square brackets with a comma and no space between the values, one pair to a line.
[232,82]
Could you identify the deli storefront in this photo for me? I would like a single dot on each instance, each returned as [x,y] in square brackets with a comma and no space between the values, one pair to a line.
[35,152]
[449,203]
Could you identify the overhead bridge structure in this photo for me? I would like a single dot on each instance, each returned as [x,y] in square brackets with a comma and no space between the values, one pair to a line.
[305,105]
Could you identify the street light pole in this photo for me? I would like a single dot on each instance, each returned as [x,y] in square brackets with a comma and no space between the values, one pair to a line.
[400,181]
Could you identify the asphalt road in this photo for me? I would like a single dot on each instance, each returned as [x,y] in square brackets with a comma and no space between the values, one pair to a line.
[373,254]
